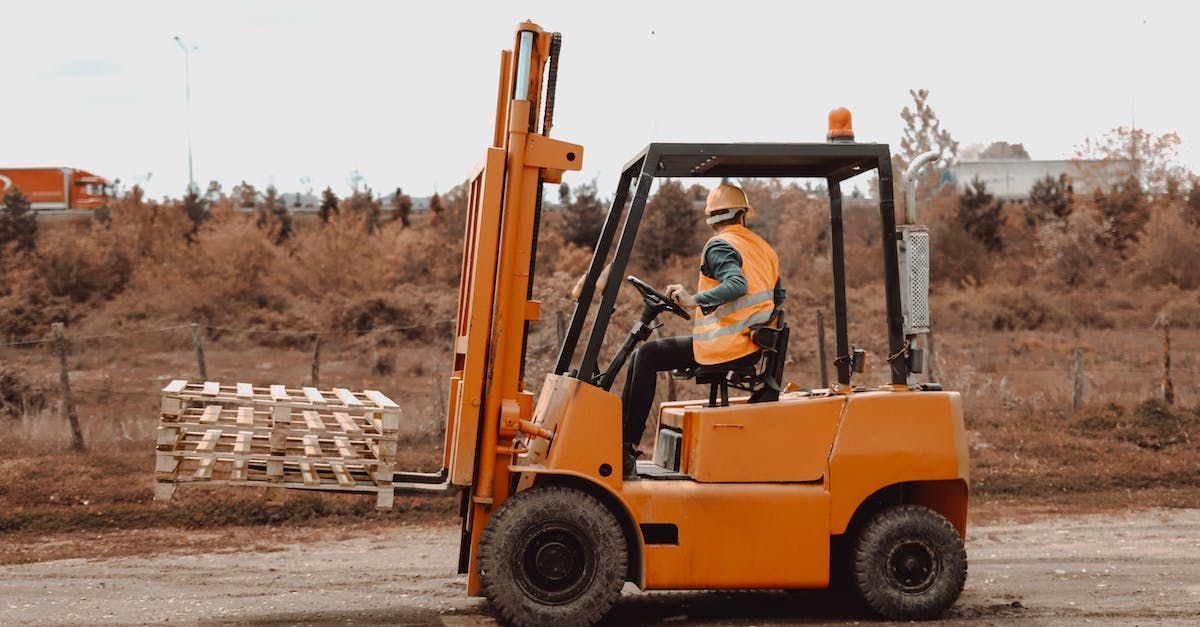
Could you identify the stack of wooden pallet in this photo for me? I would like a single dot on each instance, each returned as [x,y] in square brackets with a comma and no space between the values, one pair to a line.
[277,437]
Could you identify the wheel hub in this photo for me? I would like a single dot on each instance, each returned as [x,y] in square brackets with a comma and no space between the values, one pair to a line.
[555,562]
[912,566]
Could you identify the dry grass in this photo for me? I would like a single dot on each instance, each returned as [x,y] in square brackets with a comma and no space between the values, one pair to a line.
[1025,442]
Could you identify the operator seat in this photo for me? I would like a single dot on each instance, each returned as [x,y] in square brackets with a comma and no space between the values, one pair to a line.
[763,381]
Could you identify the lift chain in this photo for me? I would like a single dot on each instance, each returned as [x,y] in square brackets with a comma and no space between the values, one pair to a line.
[551,82]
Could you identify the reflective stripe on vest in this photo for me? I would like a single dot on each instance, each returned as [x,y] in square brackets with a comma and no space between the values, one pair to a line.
[720,331]
[724,334]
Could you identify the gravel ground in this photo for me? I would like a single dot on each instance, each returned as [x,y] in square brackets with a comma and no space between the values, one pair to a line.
[1142,567]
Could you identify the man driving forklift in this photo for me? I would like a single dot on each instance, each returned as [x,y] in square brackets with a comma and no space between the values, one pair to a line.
[739,287]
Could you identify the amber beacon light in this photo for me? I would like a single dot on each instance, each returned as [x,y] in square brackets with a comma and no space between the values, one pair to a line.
[840,129]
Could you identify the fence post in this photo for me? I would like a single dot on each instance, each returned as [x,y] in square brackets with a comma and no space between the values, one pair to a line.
[821,360]
[198,342]
[64,381]
[560,326]
[1168,387]
[316,362]
[1077,397]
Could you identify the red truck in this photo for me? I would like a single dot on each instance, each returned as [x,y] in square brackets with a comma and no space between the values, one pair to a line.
[57,188]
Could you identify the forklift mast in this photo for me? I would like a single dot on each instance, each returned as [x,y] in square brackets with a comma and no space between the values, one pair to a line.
[488,404]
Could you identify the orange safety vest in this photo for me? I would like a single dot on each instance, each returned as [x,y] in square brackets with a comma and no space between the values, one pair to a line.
[724,334]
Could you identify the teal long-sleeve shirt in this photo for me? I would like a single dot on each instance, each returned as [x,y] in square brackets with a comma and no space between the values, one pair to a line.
[723,263]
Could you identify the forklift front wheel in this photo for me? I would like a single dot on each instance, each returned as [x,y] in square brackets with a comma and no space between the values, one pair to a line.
[552,556]
[909,563]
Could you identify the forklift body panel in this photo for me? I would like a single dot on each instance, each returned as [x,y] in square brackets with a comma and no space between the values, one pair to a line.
[762,487]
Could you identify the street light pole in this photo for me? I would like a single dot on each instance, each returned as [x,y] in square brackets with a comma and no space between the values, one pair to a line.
[187,80]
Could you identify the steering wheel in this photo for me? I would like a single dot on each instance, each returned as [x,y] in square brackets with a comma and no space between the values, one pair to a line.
[657,299]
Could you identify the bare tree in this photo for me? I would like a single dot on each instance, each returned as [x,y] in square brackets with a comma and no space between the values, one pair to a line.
[923,132]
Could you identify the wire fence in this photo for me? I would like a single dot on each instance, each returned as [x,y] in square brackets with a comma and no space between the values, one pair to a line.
[214,327]
[1025,386]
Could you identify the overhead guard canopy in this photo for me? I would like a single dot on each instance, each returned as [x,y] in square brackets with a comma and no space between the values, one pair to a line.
[809,160]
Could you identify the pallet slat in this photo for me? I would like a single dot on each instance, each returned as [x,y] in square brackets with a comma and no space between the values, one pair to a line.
[347,397]
[343,477]
[314,396]
[310,475]
[211,388]
[313,420]
[346,423]
[209,442]
[380,400]
[245,416]
[175,386]
[239,470]
[344,448]
[279,393]
[211,414]
[204,470]
[245,391]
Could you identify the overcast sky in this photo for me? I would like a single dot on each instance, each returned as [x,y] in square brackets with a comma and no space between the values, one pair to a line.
[405,91]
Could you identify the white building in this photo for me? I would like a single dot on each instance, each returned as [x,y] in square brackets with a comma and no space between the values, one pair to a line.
[1011,179]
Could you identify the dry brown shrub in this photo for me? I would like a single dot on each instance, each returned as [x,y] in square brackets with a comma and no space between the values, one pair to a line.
[340,259]
[408,312]
[1169,250]
[1182,309]
[82,268]
[145,229]
[1073,252]
[1152,424]
[1001,308]
[957,257]
[18,395]
[227,274]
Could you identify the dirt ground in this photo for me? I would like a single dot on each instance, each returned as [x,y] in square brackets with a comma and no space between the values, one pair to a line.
[1123,569]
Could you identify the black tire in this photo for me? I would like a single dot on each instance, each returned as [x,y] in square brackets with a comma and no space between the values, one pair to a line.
[552,556]
[909,563]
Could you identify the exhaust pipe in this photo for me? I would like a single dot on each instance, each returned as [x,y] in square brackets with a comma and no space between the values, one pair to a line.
[910,184]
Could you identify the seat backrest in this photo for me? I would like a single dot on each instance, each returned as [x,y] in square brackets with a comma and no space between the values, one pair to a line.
[766,335]
[772,337]
[765,380]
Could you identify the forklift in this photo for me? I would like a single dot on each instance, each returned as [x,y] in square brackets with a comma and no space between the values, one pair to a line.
[848,486]
[864,487]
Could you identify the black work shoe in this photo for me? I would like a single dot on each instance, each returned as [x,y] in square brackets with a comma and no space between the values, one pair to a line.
[629,462]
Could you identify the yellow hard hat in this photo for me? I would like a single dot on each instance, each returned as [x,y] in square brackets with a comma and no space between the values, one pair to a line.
[723,202]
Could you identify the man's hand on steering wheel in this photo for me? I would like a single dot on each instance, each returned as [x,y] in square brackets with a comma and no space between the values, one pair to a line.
[680,295]
[657,299]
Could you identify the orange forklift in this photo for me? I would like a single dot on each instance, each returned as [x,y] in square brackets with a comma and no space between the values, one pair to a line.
[781,488]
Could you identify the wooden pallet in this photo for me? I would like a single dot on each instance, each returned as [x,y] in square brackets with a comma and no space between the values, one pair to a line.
[304,439]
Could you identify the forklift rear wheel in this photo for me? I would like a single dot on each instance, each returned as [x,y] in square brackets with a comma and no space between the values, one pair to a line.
[909,563]
[552,556]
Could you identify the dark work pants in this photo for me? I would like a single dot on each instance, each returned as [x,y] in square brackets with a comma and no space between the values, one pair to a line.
[647,361]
